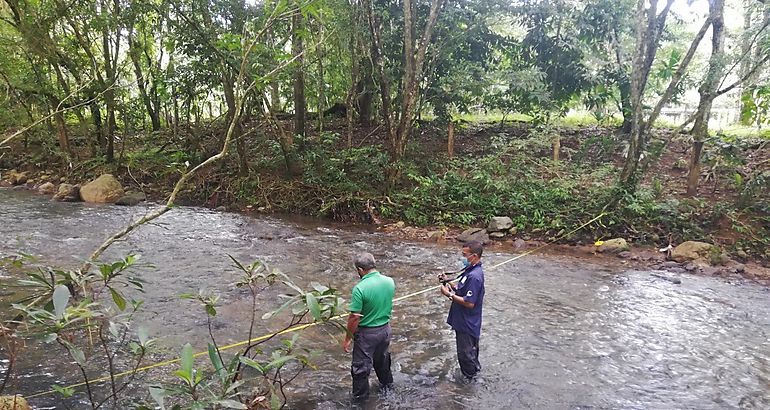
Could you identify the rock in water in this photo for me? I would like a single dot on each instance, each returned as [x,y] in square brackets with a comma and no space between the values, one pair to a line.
[474,234]
[131,198]
[47,189]
[67,193]
[105,189]
[499,224]
[497,235]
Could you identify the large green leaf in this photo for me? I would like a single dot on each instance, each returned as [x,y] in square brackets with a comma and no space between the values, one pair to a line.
[278,362]
[253,364]
[312,304]
[187,359]
[119,300]
[215,360]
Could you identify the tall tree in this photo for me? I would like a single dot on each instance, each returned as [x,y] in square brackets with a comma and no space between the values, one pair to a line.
[298,51]
[399,120]
[649,28]
[707,91]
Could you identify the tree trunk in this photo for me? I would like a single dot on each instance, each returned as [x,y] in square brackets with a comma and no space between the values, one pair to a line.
[556,148]
[707,92]
[141,82]
[694,169]
[294,165]
[228,84]
[365,87]
[63,135]
[110,72]
[450,146]
[414,60]
[297,50]
[625,104]
[321,82]
[648,37]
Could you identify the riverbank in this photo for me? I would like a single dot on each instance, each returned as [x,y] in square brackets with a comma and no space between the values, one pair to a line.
[497,170]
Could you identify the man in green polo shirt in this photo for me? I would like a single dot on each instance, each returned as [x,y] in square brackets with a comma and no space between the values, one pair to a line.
[369,326]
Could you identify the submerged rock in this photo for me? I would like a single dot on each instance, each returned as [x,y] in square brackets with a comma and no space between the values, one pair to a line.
[67,193]
[131,198]
[47,189]
[105,189]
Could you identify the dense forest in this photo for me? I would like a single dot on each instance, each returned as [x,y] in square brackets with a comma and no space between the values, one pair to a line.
[433,112]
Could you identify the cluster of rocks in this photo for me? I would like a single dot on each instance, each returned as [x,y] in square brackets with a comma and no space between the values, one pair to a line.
[499,227]
[106,189]
[689,256]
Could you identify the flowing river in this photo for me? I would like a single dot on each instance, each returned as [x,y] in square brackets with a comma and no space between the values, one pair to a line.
[559,332]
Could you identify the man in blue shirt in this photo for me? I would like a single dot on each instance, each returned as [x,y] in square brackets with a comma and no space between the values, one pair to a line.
[467,298]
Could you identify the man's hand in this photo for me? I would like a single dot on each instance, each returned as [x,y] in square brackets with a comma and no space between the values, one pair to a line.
[445,290]
[346,345]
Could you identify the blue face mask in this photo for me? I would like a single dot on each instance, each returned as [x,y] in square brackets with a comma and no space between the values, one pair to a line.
[465,262]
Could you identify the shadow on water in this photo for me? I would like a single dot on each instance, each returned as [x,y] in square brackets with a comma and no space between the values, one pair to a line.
[558,333]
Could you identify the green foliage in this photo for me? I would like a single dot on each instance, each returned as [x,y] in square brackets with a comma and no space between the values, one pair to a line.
[348,170]
[252,376]
[756,106]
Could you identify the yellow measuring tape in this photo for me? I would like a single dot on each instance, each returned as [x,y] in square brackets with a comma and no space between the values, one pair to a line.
[298,328]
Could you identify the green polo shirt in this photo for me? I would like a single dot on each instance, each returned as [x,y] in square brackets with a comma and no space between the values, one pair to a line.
[373,299]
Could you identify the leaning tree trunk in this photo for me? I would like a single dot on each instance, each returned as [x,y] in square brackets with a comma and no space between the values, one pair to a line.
[707,92]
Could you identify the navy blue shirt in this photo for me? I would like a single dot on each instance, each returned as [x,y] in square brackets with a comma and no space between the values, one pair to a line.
[471,287]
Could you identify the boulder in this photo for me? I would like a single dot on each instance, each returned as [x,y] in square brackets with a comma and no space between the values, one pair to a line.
[67,193]
[519,244]
[131,198]
[47,189]
[105,189]
[499,224]
[616,245]
[693,251]
[474,234]
[14,403]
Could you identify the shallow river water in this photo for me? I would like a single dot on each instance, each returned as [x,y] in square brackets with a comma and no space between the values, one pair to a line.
[558,332]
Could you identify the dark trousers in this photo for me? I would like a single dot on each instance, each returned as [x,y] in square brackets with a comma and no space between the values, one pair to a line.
[468,353]
[370,348]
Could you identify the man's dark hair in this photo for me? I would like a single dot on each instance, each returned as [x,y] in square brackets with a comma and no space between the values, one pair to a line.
[475,247]
[364,261]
